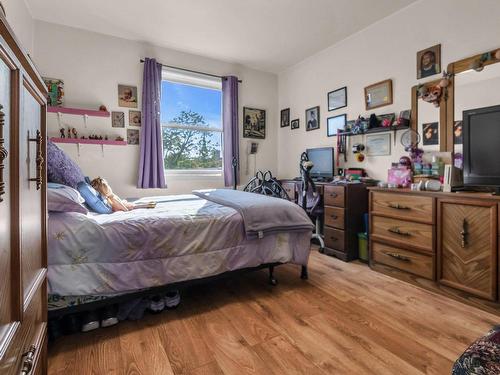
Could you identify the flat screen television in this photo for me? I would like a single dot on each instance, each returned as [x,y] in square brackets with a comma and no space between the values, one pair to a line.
[323,162]
[481,135]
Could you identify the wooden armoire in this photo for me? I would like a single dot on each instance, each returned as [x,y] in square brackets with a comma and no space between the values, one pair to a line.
[23,211]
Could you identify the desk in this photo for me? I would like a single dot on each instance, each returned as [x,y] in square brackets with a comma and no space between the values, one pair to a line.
[344,208]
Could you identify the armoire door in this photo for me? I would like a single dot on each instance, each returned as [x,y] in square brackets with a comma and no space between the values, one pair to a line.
[467,248]
[9,287]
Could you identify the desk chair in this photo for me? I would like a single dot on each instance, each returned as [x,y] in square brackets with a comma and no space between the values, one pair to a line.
[314,208]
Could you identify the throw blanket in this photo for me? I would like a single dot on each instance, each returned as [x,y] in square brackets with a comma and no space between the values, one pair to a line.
[262,215]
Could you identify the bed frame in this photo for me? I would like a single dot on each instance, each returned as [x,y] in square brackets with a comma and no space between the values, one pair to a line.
[91,306]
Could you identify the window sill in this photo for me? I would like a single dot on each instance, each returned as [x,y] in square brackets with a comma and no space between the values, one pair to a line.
[194,174]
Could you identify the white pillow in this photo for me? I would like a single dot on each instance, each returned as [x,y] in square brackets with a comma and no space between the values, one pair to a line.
[62,198]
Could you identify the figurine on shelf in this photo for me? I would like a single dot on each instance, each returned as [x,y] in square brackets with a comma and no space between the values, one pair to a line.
[82,137]
[105,137]
[119,138]
[69,133]
[103,108]
[61,131]
[75,133]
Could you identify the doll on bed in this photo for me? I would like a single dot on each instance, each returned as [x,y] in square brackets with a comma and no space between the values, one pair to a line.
[116,203]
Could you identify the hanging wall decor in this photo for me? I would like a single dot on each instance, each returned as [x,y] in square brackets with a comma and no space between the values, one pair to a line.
[134,118]
[117,119]
[429,61]
[127,96]
[312,118]
[378,95]
[254,123]
[295,124]
[335,124]
[132,136]
[285,117]
[337,99]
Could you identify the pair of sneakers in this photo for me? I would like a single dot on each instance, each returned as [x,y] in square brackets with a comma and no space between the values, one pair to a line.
[106,317]
[169,301]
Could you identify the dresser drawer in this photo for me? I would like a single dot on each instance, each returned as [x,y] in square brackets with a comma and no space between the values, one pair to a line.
[334,239]
[334,217]
[403,206]
[405,260]
[334,196]
[403,232]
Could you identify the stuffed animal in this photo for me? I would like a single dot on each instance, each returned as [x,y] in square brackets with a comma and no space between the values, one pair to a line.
[116,203]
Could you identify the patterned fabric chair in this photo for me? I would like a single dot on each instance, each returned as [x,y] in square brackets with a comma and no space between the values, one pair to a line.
[482,357]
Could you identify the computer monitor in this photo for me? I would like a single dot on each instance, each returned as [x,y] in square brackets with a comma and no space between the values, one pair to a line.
[323,162]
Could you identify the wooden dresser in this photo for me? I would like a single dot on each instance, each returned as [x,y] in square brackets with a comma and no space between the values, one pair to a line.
[447,242]
[344,208]
[23,218]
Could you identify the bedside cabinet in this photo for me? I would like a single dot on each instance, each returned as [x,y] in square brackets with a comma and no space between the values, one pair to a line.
[345,206]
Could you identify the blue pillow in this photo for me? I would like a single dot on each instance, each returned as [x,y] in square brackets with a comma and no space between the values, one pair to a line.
[93,199]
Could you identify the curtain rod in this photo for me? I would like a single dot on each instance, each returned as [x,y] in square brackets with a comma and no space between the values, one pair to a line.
[193,71]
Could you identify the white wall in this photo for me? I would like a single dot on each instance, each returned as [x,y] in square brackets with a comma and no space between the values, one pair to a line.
[21,21]
[92,65]
[384,50]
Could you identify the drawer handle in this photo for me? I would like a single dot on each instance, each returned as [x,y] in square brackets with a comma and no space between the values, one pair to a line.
[399,257]
[29,357]
[398,231]
[3,153]
[464,234]
[334,217]
[398,206]
[333,238]
[334,195]
[39,159]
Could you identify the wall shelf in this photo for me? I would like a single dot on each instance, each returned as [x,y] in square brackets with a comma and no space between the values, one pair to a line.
[78,111]
[380,129]
[89,141]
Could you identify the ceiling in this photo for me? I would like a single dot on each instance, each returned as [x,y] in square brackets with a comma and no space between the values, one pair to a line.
[268,35]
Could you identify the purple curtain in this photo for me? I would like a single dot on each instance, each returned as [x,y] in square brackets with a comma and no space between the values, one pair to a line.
[230,126]
[151,173]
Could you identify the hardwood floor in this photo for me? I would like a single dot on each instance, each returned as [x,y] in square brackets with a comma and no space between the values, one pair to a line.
[346,319]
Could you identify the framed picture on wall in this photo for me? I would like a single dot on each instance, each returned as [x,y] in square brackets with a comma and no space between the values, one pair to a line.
[378,144]
[430,132]
[457,133]
[429,61]
[295,124]
[312,118]
[285,117]
[132,136]
[337,99]
[127,96]
[134,118]
[254,123]
[117,119]
[378,95]
[335,123]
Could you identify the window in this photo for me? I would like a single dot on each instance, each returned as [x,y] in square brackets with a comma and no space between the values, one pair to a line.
[191,118]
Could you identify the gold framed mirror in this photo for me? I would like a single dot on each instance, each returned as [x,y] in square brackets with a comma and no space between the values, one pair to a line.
[428,116]
[474,83]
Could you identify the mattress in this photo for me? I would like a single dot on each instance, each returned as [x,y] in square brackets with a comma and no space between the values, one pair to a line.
[182,238]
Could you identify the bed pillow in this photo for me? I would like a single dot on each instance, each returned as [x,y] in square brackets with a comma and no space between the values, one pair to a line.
[93,199]
[61,198]
[60,168]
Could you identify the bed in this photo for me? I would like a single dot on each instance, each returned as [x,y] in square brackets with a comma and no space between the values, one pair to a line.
[100,257]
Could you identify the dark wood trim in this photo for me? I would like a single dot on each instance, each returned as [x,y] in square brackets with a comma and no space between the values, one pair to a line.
[25,60]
